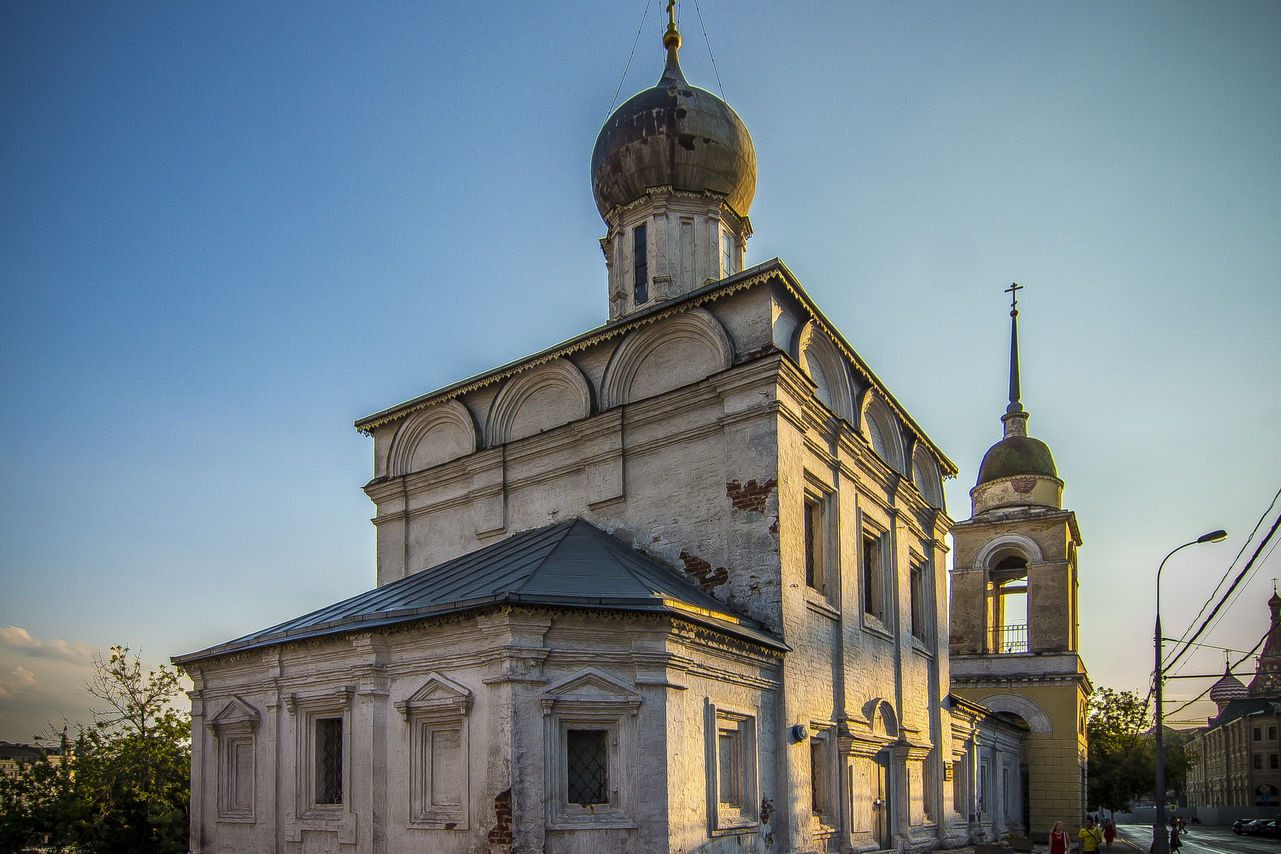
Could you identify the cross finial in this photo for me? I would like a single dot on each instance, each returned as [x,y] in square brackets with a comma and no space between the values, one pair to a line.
[671,38]
[1274,587]
[1013,291]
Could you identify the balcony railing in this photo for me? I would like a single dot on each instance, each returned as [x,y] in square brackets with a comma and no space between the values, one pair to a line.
[1010,639]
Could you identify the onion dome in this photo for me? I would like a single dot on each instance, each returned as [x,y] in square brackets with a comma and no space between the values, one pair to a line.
[1227,689]
[1016,455]
[673,135]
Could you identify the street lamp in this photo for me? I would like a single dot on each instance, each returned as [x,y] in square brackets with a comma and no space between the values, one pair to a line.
[1160,840]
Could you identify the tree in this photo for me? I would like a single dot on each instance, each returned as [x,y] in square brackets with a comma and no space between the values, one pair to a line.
[123,786]
[1122,759]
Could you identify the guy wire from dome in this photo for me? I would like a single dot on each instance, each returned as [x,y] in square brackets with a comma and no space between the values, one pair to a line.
[673,135]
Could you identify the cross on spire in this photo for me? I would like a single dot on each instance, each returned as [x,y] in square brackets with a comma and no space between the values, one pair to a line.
[1013,291]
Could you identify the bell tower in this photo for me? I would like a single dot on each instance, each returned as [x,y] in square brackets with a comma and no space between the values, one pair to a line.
[1014,587]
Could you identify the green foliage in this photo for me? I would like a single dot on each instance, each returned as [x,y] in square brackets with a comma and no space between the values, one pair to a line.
[123,785]
[1122,759]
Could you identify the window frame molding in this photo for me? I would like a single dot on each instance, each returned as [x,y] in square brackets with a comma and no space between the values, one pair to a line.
[440,705]
[593,700]
[823,735]
[236,724]
[307,710]
[875,621]
[728,819]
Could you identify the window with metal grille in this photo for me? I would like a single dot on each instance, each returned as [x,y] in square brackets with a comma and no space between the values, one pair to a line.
[329,761]
[640,266]
[587,766]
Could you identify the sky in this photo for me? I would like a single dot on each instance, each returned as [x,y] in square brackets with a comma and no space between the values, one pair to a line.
[229,230]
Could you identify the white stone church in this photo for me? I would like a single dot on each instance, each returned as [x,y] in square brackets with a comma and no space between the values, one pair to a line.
[674,585]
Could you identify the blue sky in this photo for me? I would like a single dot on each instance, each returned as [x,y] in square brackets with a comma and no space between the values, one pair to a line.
[229,230]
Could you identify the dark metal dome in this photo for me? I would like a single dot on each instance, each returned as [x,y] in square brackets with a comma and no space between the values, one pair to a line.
[1016,455]
[673,135]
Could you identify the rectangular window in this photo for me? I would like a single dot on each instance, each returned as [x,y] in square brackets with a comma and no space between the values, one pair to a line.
[1272,733]
[816,544]
[731,770]
[920,602]
[1258,734]
[328,758]
[873,594]
[1258,762]
[820,780]
[727,253]
[1272,761]
[640,266]
[587,766]
[729,760]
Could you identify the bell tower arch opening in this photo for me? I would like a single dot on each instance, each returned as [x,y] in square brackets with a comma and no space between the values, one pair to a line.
[1007,590]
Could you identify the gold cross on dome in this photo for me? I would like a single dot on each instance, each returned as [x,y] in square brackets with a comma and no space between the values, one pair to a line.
[671,12]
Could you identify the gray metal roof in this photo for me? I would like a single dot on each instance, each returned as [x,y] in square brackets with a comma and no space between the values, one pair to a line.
[571,564]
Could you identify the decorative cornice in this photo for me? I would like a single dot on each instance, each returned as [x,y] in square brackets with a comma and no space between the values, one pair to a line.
[772,270]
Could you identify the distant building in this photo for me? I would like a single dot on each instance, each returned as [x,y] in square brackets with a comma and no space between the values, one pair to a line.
[1238,754]
[13,755]
[1014,620]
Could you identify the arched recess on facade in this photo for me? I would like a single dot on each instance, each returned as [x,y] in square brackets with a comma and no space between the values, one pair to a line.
[1031,713]
[430,437]
[925,475]
[881,429]
[538,399]
[881,718]
[680,350]
[824,365]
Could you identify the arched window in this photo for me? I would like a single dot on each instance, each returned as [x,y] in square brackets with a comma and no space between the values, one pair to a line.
[1007,603]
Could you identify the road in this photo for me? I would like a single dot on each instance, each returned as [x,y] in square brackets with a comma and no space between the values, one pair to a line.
[1201,840]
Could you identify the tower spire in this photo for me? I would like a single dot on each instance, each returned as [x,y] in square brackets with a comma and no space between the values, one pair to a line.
[1015,405]
[1015,417]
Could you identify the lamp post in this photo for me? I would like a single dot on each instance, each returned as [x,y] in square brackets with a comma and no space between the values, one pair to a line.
[1160,839]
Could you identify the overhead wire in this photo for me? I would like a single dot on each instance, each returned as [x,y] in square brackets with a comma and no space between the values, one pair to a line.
[1240,660]
[635,42]
[1235,583]
[1228,571]
[708,42]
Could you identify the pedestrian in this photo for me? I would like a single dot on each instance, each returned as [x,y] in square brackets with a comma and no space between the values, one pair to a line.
[1090,837]
[1175,842]
[1109,832]
[1058,839]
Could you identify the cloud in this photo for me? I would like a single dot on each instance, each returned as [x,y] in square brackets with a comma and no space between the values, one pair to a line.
[18,681]
[19,639]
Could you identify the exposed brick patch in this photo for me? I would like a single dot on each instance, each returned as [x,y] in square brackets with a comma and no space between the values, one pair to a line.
[501,833]
[751,495]
[708,578]
[1023,485]
[773,528]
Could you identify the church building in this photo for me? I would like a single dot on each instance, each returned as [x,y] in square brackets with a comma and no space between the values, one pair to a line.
[676,584]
